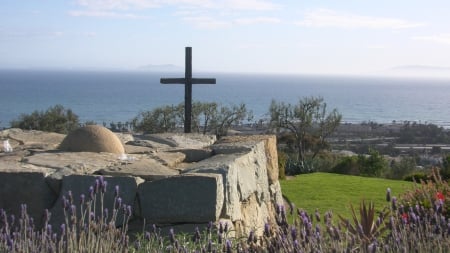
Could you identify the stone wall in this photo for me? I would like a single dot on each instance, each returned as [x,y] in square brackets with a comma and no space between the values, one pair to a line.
[172,180]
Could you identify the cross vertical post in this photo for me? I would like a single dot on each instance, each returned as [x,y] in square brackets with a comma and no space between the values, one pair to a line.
[188,91]
[188,81]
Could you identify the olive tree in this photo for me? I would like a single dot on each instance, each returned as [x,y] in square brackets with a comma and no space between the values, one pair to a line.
[158,120]
[308,122]
[207,117]
[55,119]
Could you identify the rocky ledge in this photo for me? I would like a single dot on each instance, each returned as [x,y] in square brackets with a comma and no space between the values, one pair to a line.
[171,180]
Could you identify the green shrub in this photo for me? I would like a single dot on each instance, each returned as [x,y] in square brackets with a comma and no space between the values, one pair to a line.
[417,177]
[54,119]
[348,165]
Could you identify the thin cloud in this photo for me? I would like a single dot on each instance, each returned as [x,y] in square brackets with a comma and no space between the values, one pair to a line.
[256,5]
[257,20]
[443,38]
[207,22]
[330,18]
[118,4]
[105,14]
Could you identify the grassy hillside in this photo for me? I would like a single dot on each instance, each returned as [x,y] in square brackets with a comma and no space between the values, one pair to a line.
[326,191]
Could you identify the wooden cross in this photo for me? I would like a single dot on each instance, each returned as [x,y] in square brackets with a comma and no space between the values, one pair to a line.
[188,81]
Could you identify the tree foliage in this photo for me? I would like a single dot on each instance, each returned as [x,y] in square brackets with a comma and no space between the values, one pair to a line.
[423,134]
[308,123]
[54,119]
[207,117]
[371,165]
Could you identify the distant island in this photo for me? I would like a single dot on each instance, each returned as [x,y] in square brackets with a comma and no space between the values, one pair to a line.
[419,70]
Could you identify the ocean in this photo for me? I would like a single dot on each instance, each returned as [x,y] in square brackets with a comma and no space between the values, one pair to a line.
[120,96]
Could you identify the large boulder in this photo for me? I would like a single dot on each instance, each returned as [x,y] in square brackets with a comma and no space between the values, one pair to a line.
[25,185]
[92,138]
[190,198]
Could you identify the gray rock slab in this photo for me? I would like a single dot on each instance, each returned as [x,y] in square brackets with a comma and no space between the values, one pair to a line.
[142,166]
[32,139]
[191,140]
[25,187]
[133,149]
[125,137]
[196,155]
[170,159]
[190,198]
[78,162]
[15,156]
[79,184]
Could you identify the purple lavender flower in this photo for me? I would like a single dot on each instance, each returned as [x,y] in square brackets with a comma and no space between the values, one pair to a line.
[171,235]
[82,199]
[147,236]
[73,209]
[65,203]
[317,214]
[49,229]
[266,229]
[394,203]
[388,195]
[129,211]
[209,227]
[12,219]
[9,243]
[294,233]
[63,229]
[70,197]
[209,249]
[97,186]
[318,230]
[372,248]
[225,228]
[101,179]
[118,202]
[103,186]
[91,192]
[220,227]
[196,236]
[116,191]
[251,237]
[228,247]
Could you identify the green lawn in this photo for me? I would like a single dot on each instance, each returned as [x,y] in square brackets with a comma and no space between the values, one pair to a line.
[326,191]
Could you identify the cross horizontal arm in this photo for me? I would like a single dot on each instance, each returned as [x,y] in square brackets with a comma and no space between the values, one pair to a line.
[173,80]
[183,80]
[203,80]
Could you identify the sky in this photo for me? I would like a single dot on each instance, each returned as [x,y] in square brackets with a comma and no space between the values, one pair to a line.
[254,36]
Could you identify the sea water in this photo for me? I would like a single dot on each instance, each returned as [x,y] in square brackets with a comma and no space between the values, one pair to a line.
[120,96]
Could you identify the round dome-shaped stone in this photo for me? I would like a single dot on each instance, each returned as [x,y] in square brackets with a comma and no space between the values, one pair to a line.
[92,138]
